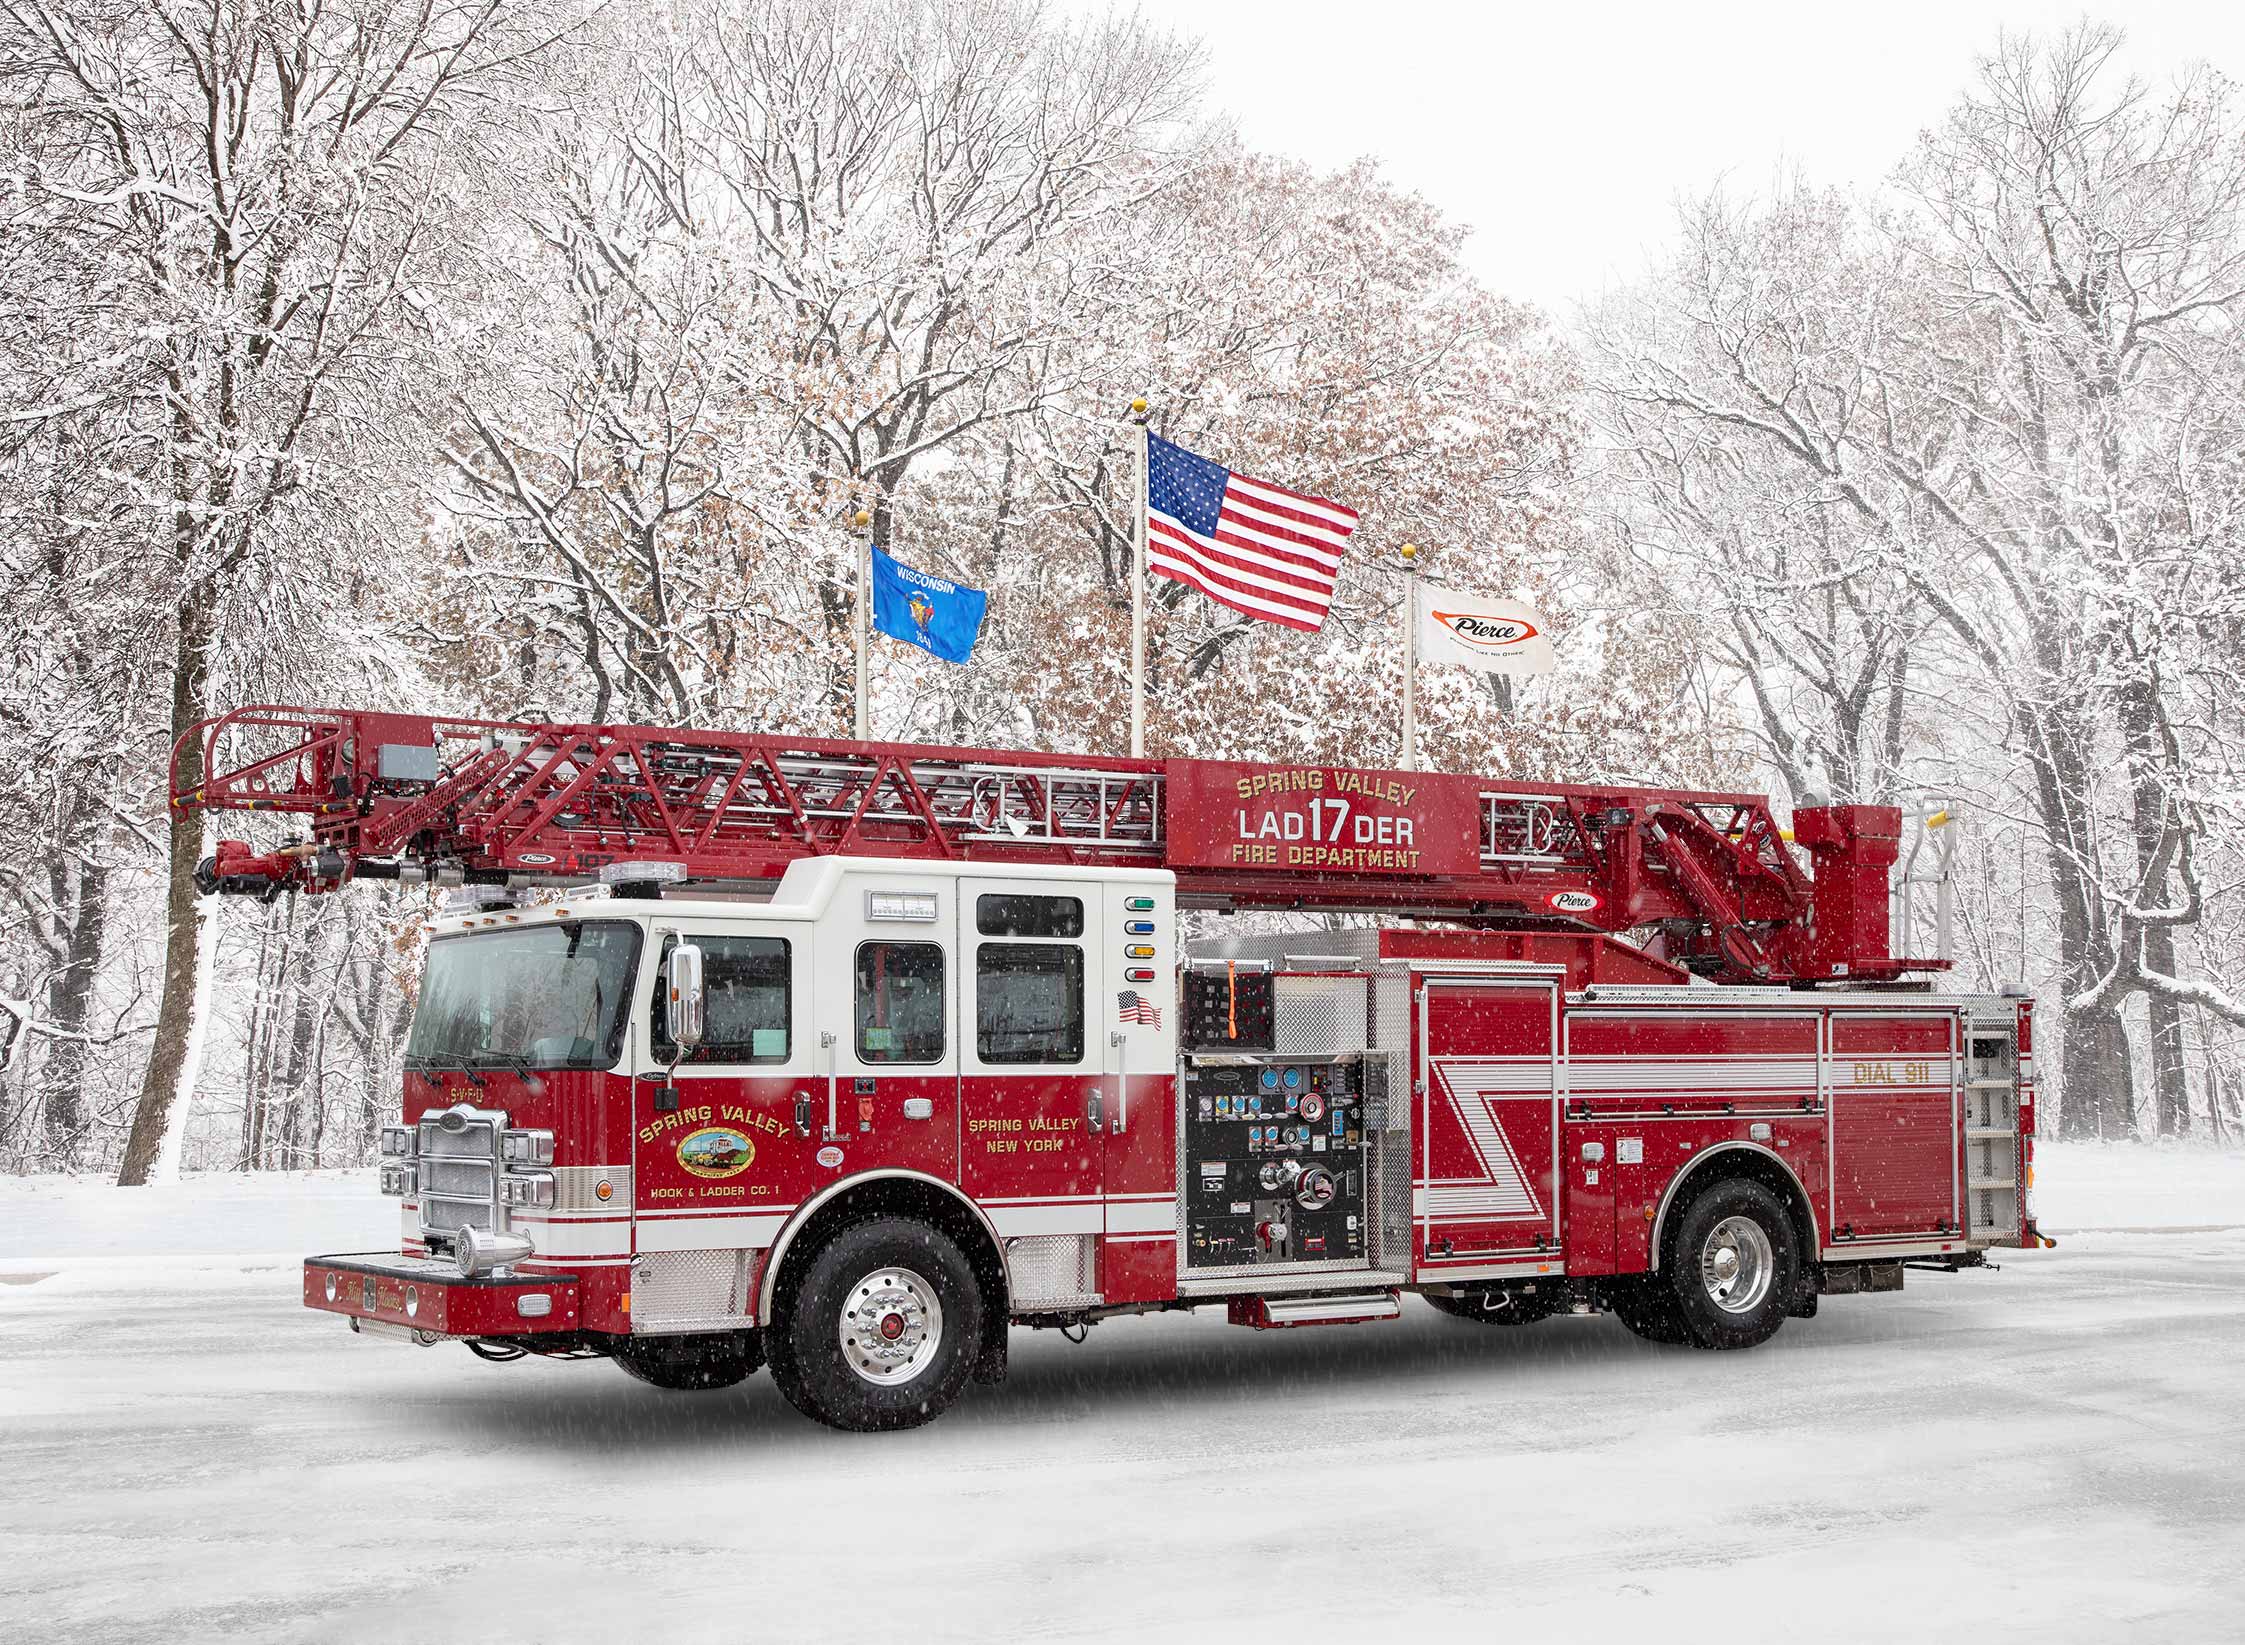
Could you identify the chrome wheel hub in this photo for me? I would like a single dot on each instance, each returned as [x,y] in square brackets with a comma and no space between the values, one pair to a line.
[1737,1265]
[891,1326]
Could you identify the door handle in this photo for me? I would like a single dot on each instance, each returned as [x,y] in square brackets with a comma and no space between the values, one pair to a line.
[1116,1042]
[802,1113]
[1095,1107]
[826,1041]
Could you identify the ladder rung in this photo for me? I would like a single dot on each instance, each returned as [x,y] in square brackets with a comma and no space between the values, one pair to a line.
[1976,1132]
[1987,1085]
[1993,1182]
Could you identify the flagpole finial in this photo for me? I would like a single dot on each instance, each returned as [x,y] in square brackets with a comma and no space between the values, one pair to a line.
[1409,553]
[1138,406]
[861,519]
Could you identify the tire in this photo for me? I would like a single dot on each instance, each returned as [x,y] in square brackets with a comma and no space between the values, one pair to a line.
[693,1364]
[880,1330]
[1645,1306]
[1734,1269]
[1521,1310]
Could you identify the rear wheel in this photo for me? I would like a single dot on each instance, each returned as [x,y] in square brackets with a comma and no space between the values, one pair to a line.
[1734,1271]
[691,1364]
[881,1328]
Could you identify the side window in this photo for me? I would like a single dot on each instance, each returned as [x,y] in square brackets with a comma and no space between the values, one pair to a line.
[899,1002]
[750,984]
[1008,914]
[1029,1001]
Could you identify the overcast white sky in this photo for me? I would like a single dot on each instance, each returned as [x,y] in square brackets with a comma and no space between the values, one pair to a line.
[1563,133]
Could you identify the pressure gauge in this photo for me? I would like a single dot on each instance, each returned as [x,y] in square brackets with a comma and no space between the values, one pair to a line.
[1270,1079]
[1293,1078]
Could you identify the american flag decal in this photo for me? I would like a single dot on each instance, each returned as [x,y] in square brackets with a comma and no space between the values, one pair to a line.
[1135,1007]
[1259,548]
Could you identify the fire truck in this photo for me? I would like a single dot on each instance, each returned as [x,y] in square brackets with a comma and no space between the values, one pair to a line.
[844,1058]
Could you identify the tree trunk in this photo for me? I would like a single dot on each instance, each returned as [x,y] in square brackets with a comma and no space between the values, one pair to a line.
[2153,820]
[2170,1073]
[2096,1092]
[171,1059]
[81,894]
[293,1133]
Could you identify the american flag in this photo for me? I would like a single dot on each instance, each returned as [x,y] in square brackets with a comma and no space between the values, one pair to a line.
[1256,547]
[1138,1009]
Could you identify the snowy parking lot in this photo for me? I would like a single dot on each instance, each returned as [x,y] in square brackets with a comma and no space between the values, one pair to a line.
[2055,1451]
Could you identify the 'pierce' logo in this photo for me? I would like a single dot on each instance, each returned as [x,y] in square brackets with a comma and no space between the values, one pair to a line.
[1485,633]
[1572,902]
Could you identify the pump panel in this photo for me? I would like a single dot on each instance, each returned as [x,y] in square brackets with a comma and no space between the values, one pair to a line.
[1274,1163]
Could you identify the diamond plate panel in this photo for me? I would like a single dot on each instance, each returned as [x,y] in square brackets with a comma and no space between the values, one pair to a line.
[1318,1016]
[674,1291]
[1047,1270]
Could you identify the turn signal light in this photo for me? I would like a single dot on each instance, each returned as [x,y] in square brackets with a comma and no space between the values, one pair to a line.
[530,1188]
[527,1147]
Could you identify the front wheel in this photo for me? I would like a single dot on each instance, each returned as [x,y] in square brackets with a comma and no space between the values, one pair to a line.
[691,1364]
[1735,1269]
[881,1329]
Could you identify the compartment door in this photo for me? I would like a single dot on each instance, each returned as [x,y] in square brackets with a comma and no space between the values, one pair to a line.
[1896,1125]
[1485,1095]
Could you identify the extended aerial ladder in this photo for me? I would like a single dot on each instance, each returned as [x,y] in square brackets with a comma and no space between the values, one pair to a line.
[1709,878]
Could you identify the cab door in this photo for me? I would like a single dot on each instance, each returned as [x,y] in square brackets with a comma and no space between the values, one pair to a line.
[717,1156]
[1035,1085]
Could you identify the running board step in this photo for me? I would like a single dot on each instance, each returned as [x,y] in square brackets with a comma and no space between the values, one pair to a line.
[1281,1313]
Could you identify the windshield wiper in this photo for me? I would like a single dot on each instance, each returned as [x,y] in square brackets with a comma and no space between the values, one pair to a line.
[429,1065]
[519,1066]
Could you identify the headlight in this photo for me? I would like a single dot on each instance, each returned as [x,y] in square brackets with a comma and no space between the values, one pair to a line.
[527,1147]
[477,1251]
[530,1188]
[399,1178]
[398,1141]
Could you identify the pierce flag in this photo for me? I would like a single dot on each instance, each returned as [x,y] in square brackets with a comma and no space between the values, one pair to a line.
[941,617]
[1496,636]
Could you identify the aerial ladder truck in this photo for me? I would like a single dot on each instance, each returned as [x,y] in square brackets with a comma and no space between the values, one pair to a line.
[735,1050]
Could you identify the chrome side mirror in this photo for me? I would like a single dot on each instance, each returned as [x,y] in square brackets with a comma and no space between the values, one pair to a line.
[683,1000]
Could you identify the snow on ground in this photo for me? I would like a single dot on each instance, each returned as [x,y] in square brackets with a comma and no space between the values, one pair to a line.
[2124,1185]
[2053,1452]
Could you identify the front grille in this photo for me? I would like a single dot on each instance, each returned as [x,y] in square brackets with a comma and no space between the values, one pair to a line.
[459,1180]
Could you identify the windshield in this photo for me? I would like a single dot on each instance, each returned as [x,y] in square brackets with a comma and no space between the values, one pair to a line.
[544,996]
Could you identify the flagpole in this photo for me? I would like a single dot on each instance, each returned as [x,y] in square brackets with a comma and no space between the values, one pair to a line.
[1410,556]
[1138,595]
[861,519]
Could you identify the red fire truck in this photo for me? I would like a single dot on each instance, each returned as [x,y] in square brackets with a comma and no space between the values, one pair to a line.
[846,1057]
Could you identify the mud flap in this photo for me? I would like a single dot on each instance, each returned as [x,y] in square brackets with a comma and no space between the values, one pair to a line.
[990,1363]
